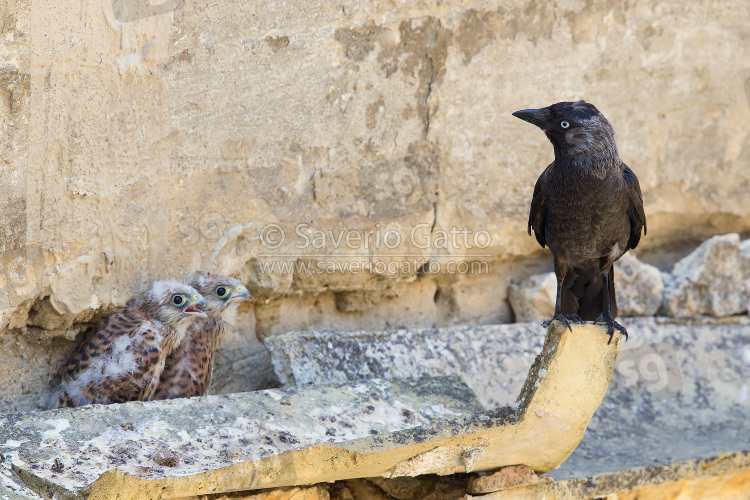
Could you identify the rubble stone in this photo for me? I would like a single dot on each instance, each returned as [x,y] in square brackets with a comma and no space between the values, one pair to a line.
[316,492]
[533,299]
[406,488]
[639,287]
[709,281]
[507,477]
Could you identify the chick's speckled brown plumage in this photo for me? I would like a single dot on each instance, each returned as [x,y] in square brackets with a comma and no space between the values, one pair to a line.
[188,369]
[124,359]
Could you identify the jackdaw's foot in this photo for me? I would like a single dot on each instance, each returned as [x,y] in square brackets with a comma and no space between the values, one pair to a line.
[612,325]
[565,319]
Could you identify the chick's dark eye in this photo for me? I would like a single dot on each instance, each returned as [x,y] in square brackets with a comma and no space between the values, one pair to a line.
[564,124]
[221,291]
[178,300]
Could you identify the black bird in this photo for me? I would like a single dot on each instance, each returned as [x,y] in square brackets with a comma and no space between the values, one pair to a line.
[587,208]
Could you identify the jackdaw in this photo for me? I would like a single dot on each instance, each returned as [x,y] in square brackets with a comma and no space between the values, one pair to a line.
[587,208]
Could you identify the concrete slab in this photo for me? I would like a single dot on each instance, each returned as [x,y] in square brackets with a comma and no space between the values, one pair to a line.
[492,359]
[67,450]
[681,389]
[681,392]
[306,435]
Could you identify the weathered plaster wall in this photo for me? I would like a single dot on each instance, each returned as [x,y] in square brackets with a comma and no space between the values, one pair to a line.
[151,143]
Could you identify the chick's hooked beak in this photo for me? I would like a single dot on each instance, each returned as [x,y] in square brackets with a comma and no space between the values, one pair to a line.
[536,117]
[241,293]
[197,303]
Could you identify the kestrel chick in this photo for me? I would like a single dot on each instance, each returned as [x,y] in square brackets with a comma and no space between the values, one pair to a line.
[124,359]
[187,372]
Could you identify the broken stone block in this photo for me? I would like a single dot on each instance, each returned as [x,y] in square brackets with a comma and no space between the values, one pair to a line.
[709,281]
[745,251]
[507,477]
[723,476]
[639,287]
[533,299]
[492,359]
[12,487]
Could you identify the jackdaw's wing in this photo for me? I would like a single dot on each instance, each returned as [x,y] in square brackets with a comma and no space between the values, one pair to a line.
[538,212]
[635,209]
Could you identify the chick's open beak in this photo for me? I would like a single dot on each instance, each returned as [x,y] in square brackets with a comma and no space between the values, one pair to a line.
[195,307]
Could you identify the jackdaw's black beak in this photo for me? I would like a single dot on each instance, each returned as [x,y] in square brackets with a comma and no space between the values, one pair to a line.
[534,116]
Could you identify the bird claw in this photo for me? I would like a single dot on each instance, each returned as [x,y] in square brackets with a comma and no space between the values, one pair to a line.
[612,325]
[565,319]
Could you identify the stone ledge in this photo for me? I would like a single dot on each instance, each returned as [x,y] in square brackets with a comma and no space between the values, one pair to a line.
[67,450]
[228,443]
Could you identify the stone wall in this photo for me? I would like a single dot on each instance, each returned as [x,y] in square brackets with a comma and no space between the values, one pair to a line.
[143,142]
